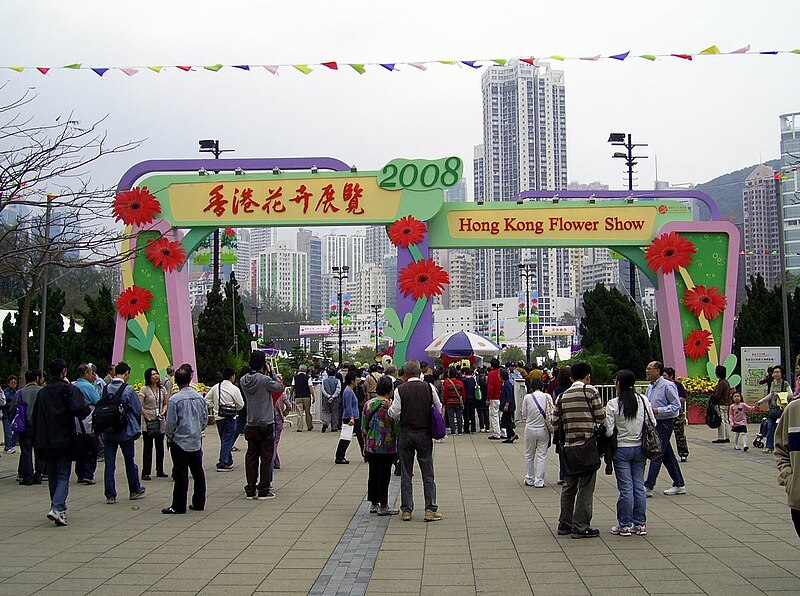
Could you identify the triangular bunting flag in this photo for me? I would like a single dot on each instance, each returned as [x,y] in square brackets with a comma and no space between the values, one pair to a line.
[272,69]
[359,68]
[43,69]
[419,65]
[620,56]
[797,51]
[650,57]
[130,71]
[184,68]
[155,68]
[75,66]
[710,50]
[743,50]
[389,67]
[100,71]
[303,68]
[592,58]
[471,63]
[558,57]
[332,65]
[771,52]
[450,62]
[213,67]
[500,61]
[241,66]
[684,56]
[17,68]
[530,60]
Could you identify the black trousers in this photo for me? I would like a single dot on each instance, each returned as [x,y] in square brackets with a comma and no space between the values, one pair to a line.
[258,459]
[26,468]
[507,422]
[380,473]
[182,463]
[147,453]
[341,449]
[469,416]
[796,520]
[483,415]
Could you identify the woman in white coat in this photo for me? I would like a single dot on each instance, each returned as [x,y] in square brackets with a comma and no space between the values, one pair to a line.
[537,409]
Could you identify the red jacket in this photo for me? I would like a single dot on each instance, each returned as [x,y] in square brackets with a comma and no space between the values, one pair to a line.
[454,393]
[493,384]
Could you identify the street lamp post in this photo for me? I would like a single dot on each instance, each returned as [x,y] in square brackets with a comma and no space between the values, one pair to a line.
[376,309]
[340,273]
[620,139]
[212,146]
[256,308]
[497,310]
[787,357]
[526,271]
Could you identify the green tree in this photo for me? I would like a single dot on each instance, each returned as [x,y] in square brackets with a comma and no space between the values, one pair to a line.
[212,339]
[233,303]
[365,355]
[603,367]
[655,344]
[513,354]
[9,363]
[612,326]
[99,322]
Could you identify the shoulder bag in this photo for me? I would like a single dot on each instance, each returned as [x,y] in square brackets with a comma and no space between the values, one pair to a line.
[154,427]
[438,427]
[581,459]
[651,442]
[547,422]
[460,399]
[224,410]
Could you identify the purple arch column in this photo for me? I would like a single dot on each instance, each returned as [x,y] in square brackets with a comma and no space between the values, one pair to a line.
[422,335]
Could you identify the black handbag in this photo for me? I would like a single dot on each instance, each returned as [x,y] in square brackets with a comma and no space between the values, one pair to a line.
[581,459]
[224,410]
[651,442]
[155,427]
[87,445]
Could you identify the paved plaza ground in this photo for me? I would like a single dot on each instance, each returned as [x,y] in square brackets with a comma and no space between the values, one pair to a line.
[731,534]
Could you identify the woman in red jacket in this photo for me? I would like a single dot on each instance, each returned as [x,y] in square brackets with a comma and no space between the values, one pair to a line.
[453,400]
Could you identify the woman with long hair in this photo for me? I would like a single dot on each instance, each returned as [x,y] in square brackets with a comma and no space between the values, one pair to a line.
[626,414]
[380,446]
[154,400]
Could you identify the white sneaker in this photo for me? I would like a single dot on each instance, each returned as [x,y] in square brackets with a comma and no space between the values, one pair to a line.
[52,515]
[675,490]
[61,518]
[529,482]
[539,484]
[11,451]
[648,492]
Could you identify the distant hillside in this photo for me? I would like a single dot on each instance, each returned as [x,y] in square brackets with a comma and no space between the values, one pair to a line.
[727,189]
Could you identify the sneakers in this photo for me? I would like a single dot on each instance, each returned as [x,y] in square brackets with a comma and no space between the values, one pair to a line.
[622,530]
[249,496]
[52,515]
[648,492]
[737,448]
[431,515]
[746,448]
[564,529]
[111,500]
[267,495]
[138,495]
[587,533]
[495,437]
[539,484]
[224,468]
[406,516]
[675,490]
[640,530]
[12,451]
[373,508]
[389,511]
[684,458]
[341,461]
[58,517]
[529,482]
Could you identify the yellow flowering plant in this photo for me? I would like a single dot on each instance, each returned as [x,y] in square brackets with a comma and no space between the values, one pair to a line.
[699,389]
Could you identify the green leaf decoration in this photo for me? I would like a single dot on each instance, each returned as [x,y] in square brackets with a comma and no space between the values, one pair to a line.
[142,340]
[711,370]
[730,364]
[394,328]
[734,380]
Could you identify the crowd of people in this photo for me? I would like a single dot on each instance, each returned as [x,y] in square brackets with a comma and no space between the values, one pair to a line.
[392,415]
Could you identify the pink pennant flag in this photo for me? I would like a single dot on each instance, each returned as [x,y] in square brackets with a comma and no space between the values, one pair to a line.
[43,69]
[184,68]
[130,71]
[332,65]
[419,65]
[684,56]
[272,69]
[592,58]
[743,50]
[530,60]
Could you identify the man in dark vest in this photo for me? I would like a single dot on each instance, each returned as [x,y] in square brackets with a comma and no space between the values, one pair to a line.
[412,407]
[303,397]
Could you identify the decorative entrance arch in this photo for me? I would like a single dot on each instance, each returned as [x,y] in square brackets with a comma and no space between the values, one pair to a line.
[692,264]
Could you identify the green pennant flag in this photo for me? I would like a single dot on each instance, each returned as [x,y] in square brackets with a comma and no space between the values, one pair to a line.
[500,61]
[558,57]
[155,68]
[75,66]
[650,57]
[213,67]
[710,50]
[17,68]
[797,51]
[359,68]
[303,68]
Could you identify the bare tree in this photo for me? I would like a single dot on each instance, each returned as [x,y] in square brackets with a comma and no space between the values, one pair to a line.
[51,214]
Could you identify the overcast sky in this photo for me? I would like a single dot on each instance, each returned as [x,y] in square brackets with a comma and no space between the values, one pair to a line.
[701,118]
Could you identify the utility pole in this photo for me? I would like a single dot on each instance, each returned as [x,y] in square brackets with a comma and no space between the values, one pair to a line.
[43,313]
[497,310]
[212,146]
[525,271]
[340,273]
[787,357]
[376,309]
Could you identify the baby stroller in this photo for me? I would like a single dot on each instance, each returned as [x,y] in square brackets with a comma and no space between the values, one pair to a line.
[758,442]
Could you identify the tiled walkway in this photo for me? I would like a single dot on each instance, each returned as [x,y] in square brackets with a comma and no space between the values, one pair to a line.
[731,534]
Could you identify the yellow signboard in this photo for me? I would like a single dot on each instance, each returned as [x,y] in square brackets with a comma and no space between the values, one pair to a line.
[315,200]
[554,224]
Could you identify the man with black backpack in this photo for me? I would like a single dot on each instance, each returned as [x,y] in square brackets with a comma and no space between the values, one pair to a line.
[57,405]
[118,417]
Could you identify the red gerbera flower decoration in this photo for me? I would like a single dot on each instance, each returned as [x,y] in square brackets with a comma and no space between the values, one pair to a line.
[134,301]
[230,232]
[407,230]
[705,301]
[669,252]
[136,206]
[698,343]
[166,254]
[423,279]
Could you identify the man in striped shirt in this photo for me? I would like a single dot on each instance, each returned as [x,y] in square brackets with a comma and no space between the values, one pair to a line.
[577,411]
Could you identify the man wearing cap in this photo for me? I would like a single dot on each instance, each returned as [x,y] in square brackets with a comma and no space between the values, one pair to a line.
[303,387]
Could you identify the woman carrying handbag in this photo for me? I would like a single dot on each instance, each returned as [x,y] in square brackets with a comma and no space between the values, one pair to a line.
[154,409]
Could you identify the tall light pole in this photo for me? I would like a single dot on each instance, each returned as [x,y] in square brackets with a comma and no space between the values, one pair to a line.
[498,308]
[340,274]
[526,271]
[256,308]
[43,313]
[212,146]
[376,309]
[620,139]
[787,357]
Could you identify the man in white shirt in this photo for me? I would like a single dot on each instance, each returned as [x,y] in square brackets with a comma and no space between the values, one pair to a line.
[226,394]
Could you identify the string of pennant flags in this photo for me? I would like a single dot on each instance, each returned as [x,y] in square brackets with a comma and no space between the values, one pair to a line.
[361,67]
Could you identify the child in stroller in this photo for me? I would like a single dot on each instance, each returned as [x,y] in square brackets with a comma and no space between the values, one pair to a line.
[758,442]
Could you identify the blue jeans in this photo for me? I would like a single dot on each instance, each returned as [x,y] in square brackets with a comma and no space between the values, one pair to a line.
[9,436]
[85,468]
[629,465]
[131,470]
[226,427]
[771,424]
[664,429]
[59,467]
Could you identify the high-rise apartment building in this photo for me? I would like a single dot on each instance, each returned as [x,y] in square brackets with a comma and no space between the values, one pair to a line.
[761,235]
[311,245]
[457,193]
[524,148]
[377,245]
[790,187]
[280,274]
[261,239]
[460,265]
[478,173]
[242,266]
